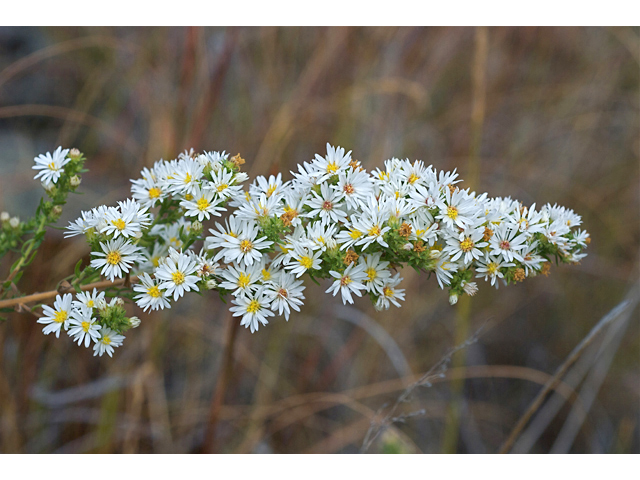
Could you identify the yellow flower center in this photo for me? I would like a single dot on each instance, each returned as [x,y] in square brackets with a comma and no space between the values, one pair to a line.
[452,213]
[243,280]
[355,234]
[345,281]
[155,261]
[119,224]
[466,245]
[188,197]
[387,292]
[492,268]
[113,258]
[413,178]
[332,168]
[371,273]
[106,340]
[271,189]
[253,306]
[154,192]
[178,278]
[374,231]
[60,316]
[154,292]
[175,241]
[246,246]
[306,262]
[85,326]
[90,303]
[266,275]
[203,204]
[52,166]
[222,187]
[187,179]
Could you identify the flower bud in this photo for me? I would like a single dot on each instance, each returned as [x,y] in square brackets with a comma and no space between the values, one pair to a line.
[118,301]
[196,227]
[48,187]
[4,216]
[137,234]
[470,288]
[332,244]
[241,177]
[407,246]
[75,181]
[74,154]
[453,298]
[211,284]
[14,222]
[56,211]
[134,322]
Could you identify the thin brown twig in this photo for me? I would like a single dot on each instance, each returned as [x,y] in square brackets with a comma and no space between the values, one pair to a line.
[560,372]
[37,297]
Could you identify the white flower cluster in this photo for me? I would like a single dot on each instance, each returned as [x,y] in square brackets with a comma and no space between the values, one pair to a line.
[78,319]
[333,220]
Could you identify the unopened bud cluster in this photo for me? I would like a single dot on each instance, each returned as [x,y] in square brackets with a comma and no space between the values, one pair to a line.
[333,220]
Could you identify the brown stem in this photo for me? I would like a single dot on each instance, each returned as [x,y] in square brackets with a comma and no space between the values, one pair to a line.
[209,444]
[37,297]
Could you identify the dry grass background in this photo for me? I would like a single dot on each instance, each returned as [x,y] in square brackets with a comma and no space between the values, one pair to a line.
[541,114]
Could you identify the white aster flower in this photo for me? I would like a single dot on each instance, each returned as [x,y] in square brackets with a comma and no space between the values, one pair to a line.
[51,166]
[348,282]
[285,292]
[327,205]
[244,248]
[87,299]
[151,296]
[390,294]
[176,274]
[376,271]
[118,257]
[489,267]
[241,280]
[202,205]
[107,342]
[466,245]
[57,317]
[334,162]
[506,242]
[83,327]
[303,259]
[253,308]
[354,187]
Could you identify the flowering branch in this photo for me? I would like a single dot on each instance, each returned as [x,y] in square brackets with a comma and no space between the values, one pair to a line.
[332,221]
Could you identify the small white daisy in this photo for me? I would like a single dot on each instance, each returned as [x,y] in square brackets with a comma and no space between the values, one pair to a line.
[83,327]
[390,294]
[151,296]
[88,299]
[348,282]
[303,259]
[253,308]
[202,205]
[177,275]
[51,166]
[285,292]
[57,317]
[119,256]
[107,341]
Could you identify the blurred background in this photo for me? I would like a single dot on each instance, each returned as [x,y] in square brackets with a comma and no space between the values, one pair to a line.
[539,114]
